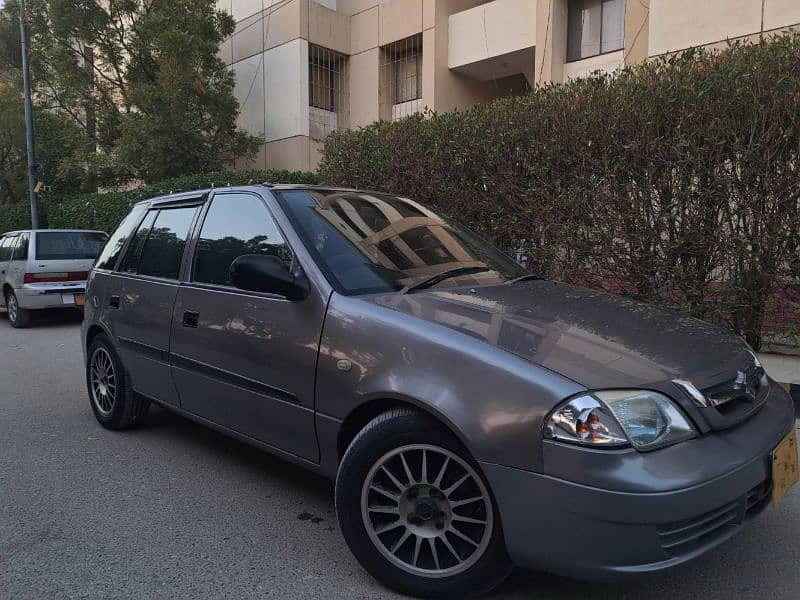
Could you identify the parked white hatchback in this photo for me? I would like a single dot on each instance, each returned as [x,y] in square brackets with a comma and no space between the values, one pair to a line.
[45,268]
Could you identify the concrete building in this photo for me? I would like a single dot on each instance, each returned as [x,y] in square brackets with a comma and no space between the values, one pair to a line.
[306,67]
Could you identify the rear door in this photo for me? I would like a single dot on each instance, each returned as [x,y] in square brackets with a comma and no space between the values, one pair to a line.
[141,294]
[246,360]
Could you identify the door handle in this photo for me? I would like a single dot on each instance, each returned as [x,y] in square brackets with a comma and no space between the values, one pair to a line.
[113,302]
[190,319]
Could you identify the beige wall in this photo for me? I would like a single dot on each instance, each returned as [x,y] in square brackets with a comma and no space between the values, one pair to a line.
[473,51]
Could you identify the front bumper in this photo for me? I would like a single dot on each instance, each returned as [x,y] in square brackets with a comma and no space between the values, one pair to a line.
[600,533]
[34,296]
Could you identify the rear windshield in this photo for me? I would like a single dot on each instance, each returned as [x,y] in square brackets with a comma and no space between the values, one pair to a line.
[69,245]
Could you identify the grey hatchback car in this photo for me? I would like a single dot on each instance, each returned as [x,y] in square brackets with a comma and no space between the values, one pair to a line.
[473,416]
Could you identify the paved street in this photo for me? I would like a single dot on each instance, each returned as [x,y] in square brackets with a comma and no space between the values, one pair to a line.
[172,510]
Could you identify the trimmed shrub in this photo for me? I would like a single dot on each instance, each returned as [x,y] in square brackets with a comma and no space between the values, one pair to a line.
[676,181]
[104,211]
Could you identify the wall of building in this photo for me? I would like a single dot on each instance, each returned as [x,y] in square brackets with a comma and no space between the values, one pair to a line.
[495,48]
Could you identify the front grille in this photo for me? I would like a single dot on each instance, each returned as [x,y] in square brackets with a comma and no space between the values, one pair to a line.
[738,399]
[682,537]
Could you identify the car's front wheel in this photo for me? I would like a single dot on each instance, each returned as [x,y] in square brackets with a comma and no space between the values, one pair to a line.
[113,401]
[17,317]
[416,511]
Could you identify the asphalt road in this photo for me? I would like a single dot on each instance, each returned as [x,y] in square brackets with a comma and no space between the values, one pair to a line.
[172,510]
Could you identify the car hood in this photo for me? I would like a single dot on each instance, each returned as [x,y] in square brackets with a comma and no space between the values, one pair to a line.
[598,340]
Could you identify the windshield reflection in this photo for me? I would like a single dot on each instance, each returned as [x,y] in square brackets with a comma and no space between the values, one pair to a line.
[376,242]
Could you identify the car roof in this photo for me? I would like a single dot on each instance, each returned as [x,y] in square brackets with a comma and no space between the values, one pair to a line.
[179,197]
[18,231]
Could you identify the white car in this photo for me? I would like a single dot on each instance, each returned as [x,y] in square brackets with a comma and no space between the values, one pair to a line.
[45,268]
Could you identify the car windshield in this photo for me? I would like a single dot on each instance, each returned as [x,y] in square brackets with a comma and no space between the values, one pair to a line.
[370,243]
[69,245]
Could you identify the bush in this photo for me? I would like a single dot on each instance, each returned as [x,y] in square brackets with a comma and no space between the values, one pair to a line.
[676,181]
[104,210]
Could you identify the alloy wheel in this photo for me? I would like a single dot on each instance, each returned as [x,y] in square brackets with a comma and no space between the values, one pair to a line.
[103,380]
[12,307]
[427,511]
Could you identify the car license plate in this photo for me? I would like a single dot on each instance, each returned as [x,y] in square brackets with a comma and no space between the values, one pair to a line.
[67,298]
[80,299]
[784,467]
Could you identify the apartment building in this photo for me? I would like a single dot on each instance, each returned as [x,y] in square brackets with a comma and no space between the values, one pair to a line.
[304,68]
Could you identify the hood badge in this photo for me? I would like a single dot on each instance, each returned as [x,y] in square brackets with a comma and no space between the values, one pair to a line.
[344,365]
[689,388]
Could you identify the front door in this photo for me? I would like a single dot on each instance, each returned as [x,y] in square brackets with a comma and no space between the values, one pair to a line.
[240,359]
[141,295]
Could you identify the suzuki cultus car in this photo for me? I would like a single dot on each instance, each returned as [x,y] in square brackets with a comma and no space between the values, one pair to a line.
[473,416]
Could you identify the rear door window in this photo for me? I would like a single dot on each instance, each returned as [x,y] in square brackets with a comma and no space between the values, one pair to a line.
[163,250]
[157,248]
[69,245]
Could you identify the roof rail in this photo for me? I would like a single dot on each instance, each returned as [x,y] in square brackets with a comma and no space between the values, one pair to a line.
[268,184]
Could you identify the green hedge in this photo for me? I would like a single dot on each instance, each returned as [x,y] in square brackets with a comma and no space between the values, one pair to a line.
[676,181]
[104,210]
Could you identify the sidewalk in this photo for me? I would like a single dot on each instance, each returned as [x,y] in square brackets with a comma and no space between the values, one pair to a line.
[784,369]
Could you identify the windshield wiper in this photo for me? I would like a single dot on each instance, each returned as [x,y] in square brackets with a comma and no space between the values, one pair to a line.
[528,277]
[439,277]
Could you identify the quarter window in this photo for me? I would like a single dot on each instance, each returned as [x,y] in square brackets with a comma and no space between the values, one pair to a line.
[21,251]
[236,224]
[113,248]
[595,27]
[6,245]
[131,261]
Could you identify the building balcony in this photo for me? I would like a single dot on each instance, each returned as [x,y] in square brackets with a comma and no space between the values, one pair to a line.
[493,40]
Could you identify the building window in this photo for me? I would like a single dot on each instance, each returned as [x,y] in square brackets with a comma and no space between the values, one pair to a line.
[327,90]
[595,27]
[326,85]
[401,76]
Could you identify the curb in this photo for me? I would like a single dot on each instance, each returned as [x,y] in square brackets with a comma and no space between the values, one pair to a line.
[793,389]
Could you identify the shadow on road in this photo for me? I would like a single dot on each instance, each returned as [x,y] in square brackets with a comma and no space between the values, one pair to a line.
[51,317]
[202,440]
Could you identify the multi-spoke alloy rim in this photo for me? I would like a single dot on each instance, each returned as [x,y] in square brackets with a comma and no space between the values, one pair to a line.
[11,301]
[427,511]
[103,380]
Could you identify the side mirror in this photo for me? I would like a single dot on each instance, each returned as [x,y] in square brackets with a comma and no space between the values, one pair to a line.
[266,273]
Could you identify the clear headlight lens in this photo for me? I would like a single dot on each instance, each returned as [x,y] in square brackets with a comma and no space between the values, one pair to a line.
[584,420]
[641,418]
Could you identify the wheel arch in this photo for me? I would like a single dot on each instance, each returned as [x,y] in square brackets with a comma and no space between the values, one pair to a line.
[92,332]
[370,408]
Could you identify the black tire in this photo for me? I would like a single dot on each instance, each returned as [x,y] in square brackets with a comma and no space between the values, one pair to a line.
[390,432]
[127,408]
[18,318]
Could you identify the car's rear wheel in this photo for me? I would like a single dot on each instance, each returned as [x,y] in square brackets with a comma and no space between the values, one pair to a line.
[113,401]
[416,511]
[17,317]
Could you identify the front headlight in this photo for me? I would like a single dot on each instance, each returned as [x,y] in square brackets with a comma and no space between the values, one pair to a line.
[616,418]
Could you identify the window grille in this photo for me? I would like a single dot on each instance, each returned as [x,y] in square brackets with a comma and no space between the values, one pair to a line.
[401,77]
[327,90]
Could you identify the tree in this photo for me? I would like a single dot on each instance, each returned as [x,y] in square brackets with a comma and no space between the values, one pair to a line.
[141,82]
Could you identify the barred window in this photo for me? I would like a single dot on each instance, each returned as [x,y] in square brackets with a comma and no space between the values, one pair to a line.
[401,72]
[326,83]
